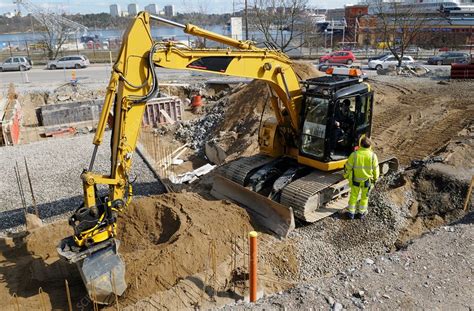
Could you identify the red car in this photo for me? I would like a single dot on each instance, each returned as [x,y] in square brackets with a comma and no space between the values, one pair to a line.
[345,57]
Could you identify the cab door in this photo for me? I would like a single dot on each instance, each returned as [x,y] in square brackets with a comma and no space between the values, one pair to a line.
[363,116]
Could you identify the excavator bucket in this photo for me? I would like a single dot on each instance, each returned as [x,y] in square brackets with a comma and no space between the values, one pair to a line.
[272,215]
[101,268]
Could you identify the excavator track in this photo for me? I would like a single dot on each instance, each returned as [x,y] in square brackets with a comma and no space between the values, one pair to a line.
[308,194]
[239,170]
[309,198]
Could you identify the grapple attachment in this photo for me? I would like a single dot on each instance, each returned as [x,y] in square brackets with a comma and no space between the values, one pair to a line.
[102,270]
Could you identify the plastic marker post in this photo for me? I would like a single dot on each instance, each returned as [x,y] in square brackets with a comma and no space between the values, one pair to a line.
[253,260]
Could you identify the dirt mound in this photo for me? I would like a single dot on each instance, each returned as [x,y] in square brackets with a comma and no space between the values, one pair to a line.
[415,118]
[166,238]
[247,107]
[429,197]
[306,70]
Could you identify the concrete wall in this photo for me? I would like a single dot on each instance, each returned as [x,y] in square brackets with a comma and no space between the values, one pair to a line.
[69,112]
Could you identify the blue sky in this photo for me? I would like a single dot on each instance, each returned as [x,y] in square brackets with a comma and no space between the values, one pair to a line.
[96,6]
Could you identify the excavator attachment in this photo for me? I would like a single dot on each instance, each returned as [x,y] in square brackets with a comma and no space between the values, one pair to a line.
[101,268]
[270,214]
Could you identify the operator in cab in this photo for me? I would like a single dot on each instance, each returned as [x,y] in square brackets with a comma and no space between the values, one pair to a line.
[362,171]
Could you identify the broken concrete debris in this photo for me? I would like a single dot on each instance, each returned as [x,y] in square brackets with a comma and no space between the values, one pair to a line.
[191,176]
[197,132]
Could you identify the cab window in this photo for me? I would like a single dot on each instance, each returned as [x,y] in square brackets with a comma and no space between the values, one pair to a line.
[314,127]
[343,128]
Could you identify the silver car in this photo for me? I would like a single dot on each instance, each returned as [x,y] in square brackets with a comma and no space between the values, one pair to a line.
[390,60]
[16,63]
[72,61]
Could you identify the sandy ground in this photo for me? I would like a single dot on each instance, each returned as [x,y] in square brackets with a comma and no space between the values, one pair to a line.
[416,117]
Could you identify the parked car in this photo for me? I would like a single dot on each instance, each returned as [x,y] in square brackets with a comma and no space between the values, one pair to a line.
[449,58]
[72,61]
[345,57]
[16,63]
[390,60]
[379,56]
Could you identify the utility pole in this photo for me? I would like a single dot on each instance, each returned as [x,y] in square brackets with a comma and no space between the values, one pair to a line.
[246,21]
[332,31]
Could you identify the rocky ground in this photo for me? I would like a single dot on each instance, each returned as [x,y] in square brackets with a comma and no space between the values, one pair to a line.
[434,272]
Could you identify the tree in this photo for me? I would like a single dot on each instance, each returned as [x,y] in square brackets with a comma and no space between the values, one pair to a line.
[53,36]
[282,22]
[399,24]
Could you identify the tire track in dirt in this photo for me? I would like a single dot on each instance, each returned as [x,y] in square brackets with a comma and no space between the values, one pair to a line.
[412,123]
[431,138]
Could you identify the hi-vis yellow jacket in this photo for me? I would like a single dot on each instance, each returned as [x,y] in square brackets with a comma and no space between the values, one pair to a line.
[362,165]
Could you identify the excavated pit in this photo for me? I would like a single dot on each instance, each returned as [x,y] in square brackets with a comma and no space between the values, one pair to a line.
[426,198]
[144,227]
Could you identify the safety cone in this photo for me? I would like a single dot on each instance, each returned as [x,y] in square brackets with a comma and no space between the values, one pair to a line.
[73,78]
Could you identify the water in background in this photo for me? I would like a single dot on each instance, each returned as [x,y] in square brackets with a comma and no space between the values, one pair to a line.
[19,39]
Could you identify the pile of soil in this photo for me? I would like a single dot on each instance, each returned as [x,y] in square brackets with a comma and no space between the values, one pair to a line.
[248,107]
[164,239]
[415,117]
[429,197]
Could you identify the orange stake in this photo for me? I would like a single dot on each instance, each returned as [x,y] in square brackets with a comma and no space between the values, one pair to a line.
[253,260]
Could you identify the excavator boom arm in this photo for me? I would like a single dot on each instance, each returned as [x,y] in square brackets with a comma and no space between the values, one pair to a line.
[133,81]
[255,64]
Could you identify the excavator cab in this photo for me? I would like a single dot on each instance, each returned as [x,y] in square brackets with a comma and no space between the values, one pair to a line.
[337,112]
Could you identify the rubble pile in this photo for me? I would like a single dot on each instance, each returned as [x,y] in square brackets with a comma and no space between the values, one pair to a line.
[80,92]
[196,132]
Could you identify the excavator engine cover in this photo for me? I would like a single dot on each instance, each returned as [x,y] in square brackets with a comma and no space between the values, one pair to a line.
[101,268]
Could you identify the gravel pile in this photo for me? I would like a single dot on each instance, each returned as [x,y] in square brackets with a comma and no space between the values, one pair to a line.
[55,166]
[197,132]
[402,207]
[334,243]
[434,272]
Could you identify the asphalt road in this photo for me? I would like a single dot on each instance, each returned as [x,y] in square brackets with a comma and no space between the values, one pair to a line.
[93,73]
[101,73]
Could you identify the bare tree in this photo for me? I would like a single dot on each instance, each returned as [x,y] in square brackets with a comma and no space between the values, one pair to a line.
[282,22]
[53,38]
[398,25]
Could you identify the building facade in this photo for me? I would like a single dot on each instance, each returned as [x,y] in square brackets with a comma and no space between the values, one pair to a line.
[441,23]
[169,10]
[132,9]
[115,10]
[152,9]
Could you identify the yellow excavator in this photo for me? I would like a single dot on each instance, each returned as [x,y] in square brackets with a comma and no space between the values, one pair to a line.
[303,148]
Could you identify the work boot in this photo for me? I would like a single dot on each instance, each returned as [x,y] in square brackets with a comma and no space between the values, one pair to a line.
[362,216]
[350,215]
